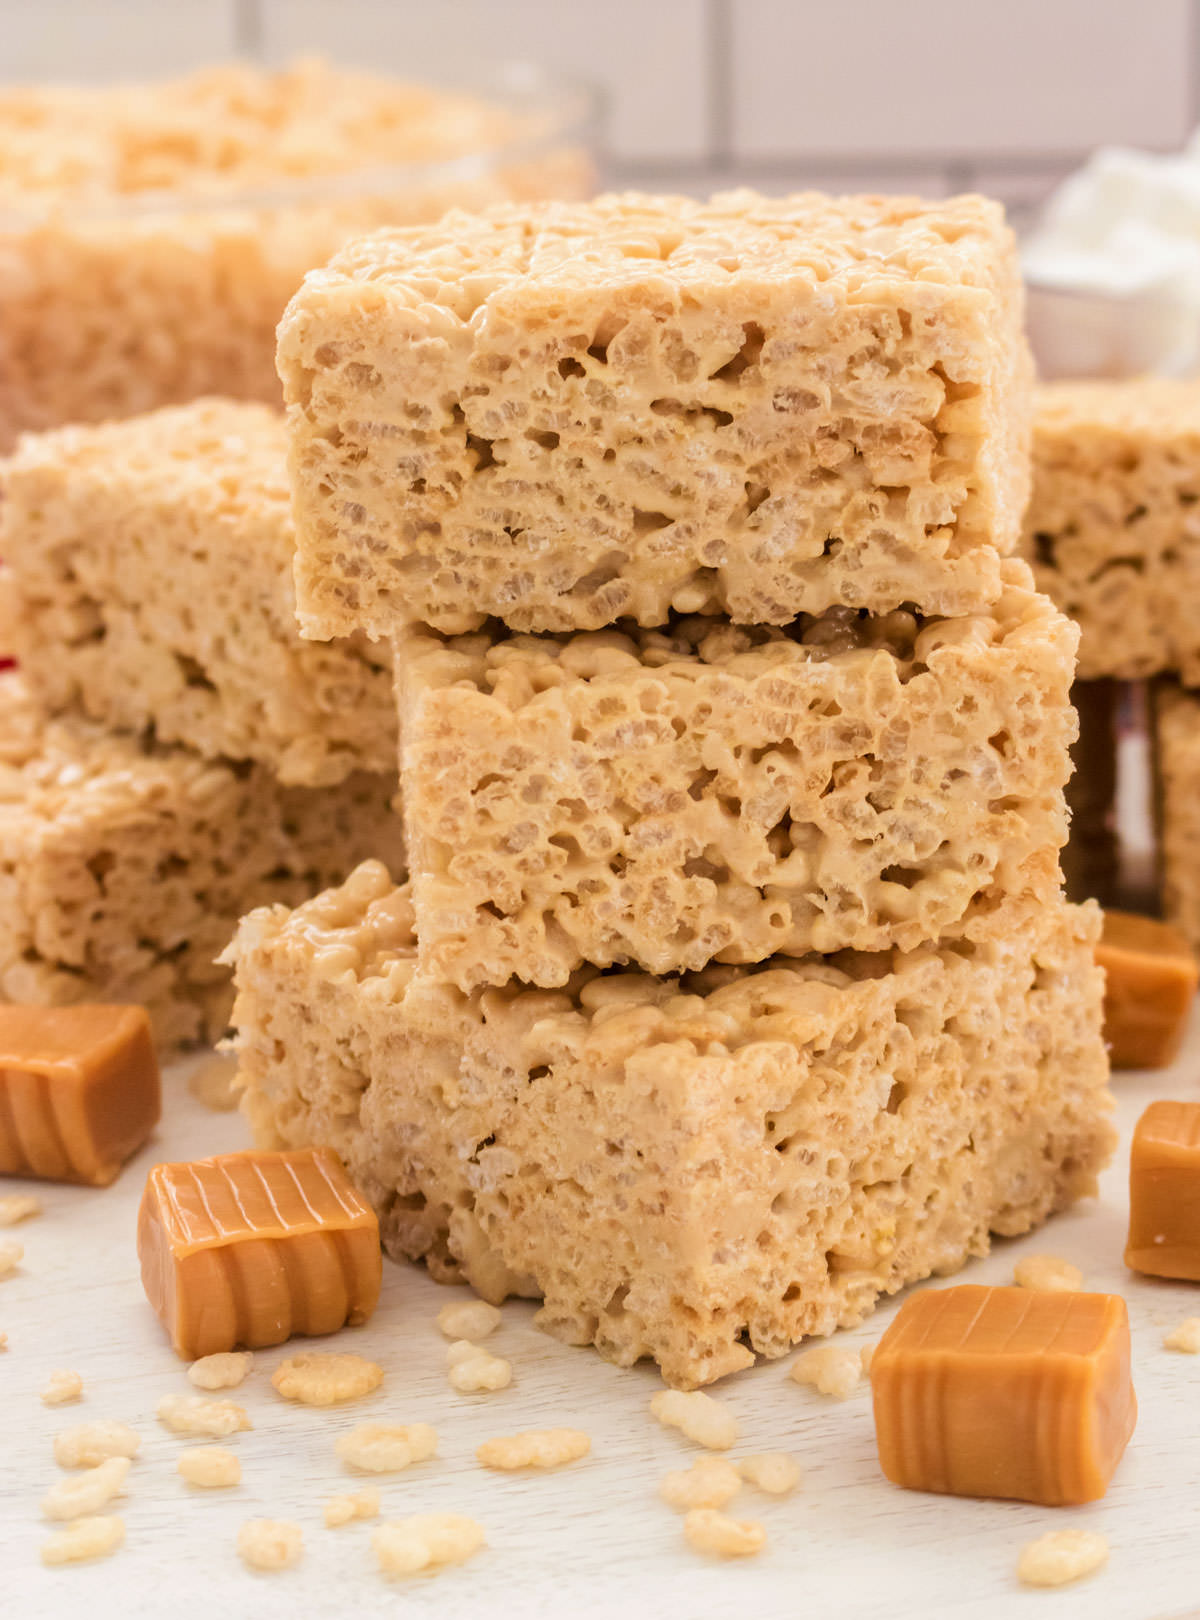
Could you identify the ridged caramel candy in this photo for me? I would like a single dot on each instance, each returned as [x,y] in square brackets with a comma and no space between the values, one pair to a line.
[79,1091]
[1164,1192]
[1151,980]
[1004,1392]
[251,1248]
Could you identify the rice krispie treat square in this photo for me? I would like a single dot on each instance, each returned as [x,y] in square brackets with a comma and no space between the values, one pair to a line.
[561,416]
[705,791]
[1113,526]
[1176,728]
[124,867]
[690,1169]
[149,586]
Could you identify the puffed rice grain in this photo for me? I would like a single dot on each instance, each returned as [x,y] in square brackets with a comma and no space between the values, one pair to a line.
[470,1319]
[93,1443]
[1185,1337]
[270,1544]
[426,1541]
[774,1472]
[711,1482]
[192,1414]
[314,1378]
[62,1386]
[17,1207]
[696,1415]
[88,1492]
[1048,1274]
[1061,1557]
[829,1368]
[209,1468]
[384,1448]
[83,1539]
[534,1448]
[11,1255]
[341,1510]
[474,1370]
[213,1083]
[722,1537]
[225,1370]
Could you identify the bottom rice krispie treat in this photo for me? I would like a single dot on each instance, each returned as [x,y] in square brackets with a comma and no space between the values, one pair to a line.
[124,867]
[690,1168]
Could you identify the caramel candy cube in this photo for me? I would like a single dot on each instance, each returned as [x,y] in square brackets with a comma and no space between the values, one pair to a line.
[1164,1192]
[1004,1392]
[79,1090]
[250,1248]
[1151,978]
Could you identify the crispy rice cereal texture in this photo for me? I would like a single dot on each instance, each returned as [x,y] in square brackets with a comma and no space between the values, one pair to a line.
[153,233]
[1176,722]
[564,415]
[124,868]
[150,585]
[682,1168]
[1113,526]
[711,792]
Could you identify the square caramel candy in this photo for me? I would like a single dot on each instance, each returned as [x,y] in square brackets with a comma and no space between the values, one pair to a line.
[1151,977]
[1005,1392]
[251,1248]
[1164,1192]
[79,1090]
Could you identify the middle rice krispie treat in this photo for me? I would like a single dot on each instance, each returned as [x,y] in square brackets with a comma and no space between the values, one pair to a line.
[149,585]
[124,867]
[562,415]
[706,791]
[690,1169]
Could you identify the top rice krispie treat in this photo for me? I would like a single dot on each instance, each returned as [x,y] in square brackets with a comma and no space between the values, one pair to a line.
[563,415]
[1113,526]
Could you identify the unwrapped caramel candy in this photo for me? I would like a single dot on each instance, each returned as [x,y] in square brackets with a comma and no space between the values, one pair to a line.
[79,1091]
[1150,980]
[251,1248]
[1004,1392]
[1164,1192]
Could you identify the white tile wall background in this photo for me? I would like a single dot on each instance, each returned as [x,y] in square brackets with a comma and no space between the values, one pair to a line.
[932,95]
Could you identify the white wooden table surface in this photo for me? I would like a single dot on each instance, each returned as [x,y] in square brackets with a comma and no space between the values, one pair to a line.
[594,1538]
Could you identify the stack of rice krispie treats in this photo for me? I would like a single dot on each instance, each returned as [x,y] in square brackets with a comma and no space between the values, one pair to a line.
[1113,532]
[171,753]
[733,985]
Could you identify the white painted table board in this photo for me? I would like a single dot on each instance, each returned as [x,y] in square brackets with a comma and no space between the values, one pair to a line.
[593,1539]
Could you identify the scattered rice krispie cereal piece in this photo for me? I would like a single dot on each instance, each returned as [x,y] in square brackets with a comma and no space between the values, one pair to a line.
[716,1533]
[1060,1557]
[92,1443]
[1048,1273]
[474,1370]
[15,1207]
[696,1415]
[86,1493]
[865,1357]
[341,1510]
[384,1448]
[774,1472]
[3,1341]
[62,1386]
[213,1083]
[224,1370]
[209,1468]
[534,1448]
[711,1482]
[426,1541]
[316,1378]
[192,1414]
[831,1368]
[1185,1337]
[270,1543]
[83,1539]
[470,1319]
[11,1255]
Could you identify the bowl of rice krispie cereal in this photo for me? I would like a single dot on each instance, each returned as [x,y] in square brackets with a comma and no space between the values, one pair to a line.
[151,234]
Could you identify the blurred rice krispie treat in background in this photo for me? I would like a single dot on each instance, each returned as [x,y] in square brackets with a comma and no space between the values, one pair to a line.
[148,585]
[150,235]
